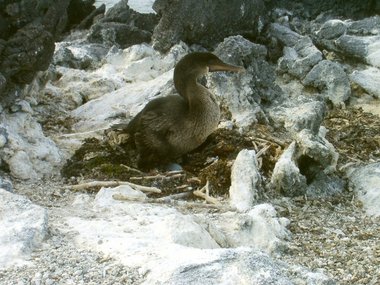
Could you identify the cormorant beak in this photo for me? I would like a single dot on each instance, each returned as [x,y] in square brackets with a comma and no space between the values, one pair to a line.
[225,67]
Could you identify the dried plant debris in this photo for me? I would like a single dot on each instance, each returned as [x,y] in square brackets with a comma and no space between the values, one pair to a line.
[334,234]
[115,158]
[355,134]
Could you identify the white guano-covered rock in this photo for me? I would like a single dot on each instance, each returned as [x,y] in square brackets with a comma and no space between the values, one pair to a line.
[259,228]
[134,76]
[306,166]
[330,77]
[368,79]
[365,181]
[27,151]
[286,176]
[169,247]
[23,226]
[245,180]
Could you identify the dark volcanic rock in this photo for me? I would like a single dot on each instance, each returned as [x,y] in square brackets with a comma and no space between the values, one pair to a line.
[331,79]
[123,26]
[78,10]
[206,22]
[300,59]
[28,31]
[348,8]
[123,35]
[28,51]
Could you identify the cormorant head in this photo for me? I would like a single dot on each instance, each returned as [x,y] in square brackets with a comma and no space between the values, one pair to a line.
[202,62]
[194,65]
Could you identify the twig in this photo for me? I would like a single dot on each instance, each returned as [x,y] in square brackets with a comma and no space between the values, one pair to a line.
[271,140]
[112,184]
[204,194]
[131,169]
[177,196]
[171,201]
[158,176]
[262,151]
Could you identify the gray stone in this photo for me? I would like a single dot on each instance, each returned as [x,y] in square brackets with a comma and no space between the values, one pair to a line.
[3,137]
[332,29]
[299,59]
[230,267]
[82,12]
[120,34]
[324,185]
[286,177]
[330,78]
[354,45]
[284,34]
[79,56]
[245,180]
[6,184]
[28,31]
[3,82]
[28,153]
[295,118]
[186,20]
[365,48]
[319,152]
[23,228]
[365,27]
[260,228]
[243,94]
[368,79]
[297,172]
[365,181]
[123,27]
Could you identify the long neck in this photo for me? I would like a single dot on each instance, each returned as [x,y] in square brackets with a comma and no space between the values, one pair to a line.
[185,79]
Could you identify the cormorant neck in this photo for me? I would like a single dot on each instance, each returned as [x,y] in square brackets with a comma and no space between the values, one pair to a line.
[184,79]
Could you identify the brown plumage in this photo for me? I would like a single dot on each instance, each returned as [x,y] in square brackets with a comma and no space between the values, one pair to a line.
[171,126]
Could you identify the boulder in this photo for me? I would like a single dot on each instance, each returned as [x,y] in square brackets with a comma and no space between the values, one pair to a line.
[78,10]
[28,153]
[365,182]
[368,79]
[28,32]
[238,266]
[149,75]
[23,225]
[259,228]
[79,56]
[170,247]
[122,35]
[245,94]
[305,165]
[300,59]
[294,118]
[245,180]
[330,78]
[185,20]
[22,58]
[365,27]
[332,29]
[365,48]
[284,35]
[358,39]
[311,9]
[123,26]
[287,177]
[6,184]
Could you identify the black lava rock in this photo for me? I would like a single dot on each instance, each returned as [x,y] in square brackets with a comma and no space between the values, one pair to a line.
[206,22]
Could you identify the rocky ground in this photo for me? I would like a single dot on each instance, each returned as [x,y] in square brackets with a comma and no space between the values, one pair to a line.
[291,174]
